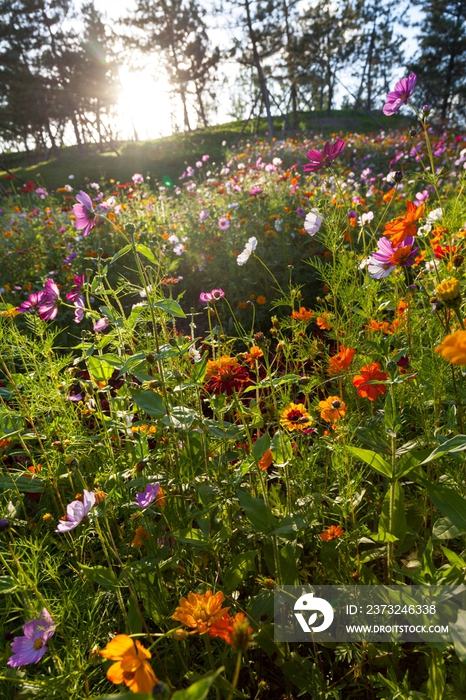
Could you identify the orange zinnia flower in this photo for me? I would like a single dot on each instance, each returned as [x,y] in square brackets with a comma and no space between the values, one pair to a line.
[266,460]
[234,630]
[200,611]
[370,373]
[295,417]
[254,354]
[303,314]
[332,409]
[332,533]
[131,667]
[341,361]
[213,366]
[403,226]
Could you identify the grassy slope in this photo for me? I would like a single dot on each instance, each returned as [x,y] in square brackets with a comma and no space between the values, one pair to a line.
[168,156]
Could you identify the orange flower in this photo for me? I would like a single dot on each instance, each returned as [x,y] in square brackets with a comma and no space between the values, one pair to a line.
[200,611]
[266,460]
[254,354]
[383,326]
[234,630]
[140,534]
[341,361]
[453,348]
[131,667]
[388,196]
[370,373]
[295,417]
[303,314]
[403,226]
[324,321]
[261,300]
[402,306]
[213,366]
[332,409]
[331,533]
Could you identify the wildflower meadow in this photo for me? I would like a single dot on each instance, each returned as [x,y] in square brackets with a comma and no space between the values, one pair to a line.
[246,377]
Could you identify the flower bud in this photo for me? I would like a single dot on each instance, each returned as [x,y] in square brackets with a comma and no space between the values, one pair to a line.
[4,524]
[180,635]
[398,176]
[449,291]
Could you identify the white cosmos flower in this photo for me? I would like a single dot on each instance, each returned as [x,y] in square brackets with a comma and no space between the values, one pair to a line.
[249,249]
[313,222]
[435,215]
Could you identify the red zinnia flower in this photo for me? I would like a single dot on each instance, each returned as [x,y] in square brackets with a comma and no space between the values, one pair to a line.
[229,378]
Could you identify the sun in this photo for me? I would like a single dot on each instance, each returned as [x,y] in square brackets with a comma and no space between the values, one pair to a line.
[144,108]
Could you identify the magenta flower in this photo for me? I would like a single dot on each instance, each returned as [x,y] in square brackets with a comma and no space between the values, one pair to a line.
[144,499]
[48,307]
[321,158]
[101,324]
[33,303]
[76,511]
[255,190]
[84,213]
[214,295]
[31,648]
[77,289]
[400,95]
[386,258]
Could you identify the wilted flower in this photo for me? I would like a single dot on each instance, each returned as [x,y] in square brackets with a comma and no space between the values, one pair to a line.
[321,158]
[84,213]
[76,511]
[249,249]
[132,667]
[234,630]
[400,95]
[31,648]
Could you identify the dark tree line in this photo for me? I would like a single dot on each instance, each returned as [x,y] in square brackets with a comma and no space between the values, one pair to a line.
[59,68]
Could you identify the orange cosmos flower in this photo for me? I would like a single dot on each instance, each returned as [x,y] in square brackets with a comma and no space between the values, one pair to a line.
[295,417]
[266,460]
[254,354]
[234,630]
[331,533]
[303,314]
[140,534]
[453,348]
[200,611]
[332,409]
[324,321]
[131,667]
[341,361]
[370,373]
[403,226]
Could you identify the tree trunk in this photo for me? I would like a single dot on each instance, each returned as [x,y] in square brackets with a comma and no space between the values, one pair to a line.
[257,63]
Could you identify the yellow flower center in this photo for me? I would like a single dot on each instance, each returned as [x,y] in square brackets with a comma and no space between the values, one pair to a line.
[39,643]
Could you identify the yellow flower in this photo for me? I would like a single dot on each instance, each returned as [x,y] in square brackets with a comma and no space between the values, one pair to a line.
[295,417]
[200,611]
[131,667]
[140,534]
[332,409]
[448,290]
[453,348]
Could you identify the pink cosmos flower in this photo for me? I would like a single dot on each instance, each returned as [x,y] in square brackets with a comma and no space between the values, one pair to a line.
[214,295]
[203,214]
[224,223]
[84,213]
[76,511]
[144,499]
[137,179]
[321,158]
[48,307]
[31,648]
[386,258]
[77,289]
[34,301]
[101,324]
[400,95]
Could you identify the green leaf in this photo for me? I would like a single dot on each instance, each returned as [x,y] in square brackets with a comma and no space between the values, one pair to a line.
[445,530]
[170,306]
[372,459]
[192,536]
[100,370]
[392,419]
[144,250]
[7,584]
[289,526]
[458,633]
[127,696]
[22,484]
[281,449]
[99,574]
[449,502]
[256,512]
[408,462]
[398,526]
[181,418]
[198,690]
[456,444]
[261,446]
[120,253]
[373,440]
[150,402]
[239,567]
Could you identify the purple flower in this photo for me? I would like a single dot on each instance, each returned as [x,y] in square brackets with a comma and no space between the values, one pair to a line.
[386,258]
[203,214]
[321,158]
[48,307]
[84,213]
[255,190]
[31,648]
[137,179]
[300,211]
[41,192]
[101,324]
[214,295]
[144,499]
[400,95]
[79,306]
[35,299]
[224,223]
[76,511]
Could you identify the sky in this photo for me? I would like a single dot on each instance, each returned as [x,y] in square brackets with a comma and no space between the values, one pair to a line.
[144,107]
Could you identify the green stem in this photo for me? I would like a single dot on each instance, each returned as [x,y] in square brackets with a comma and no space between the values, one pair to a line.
[236,676]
